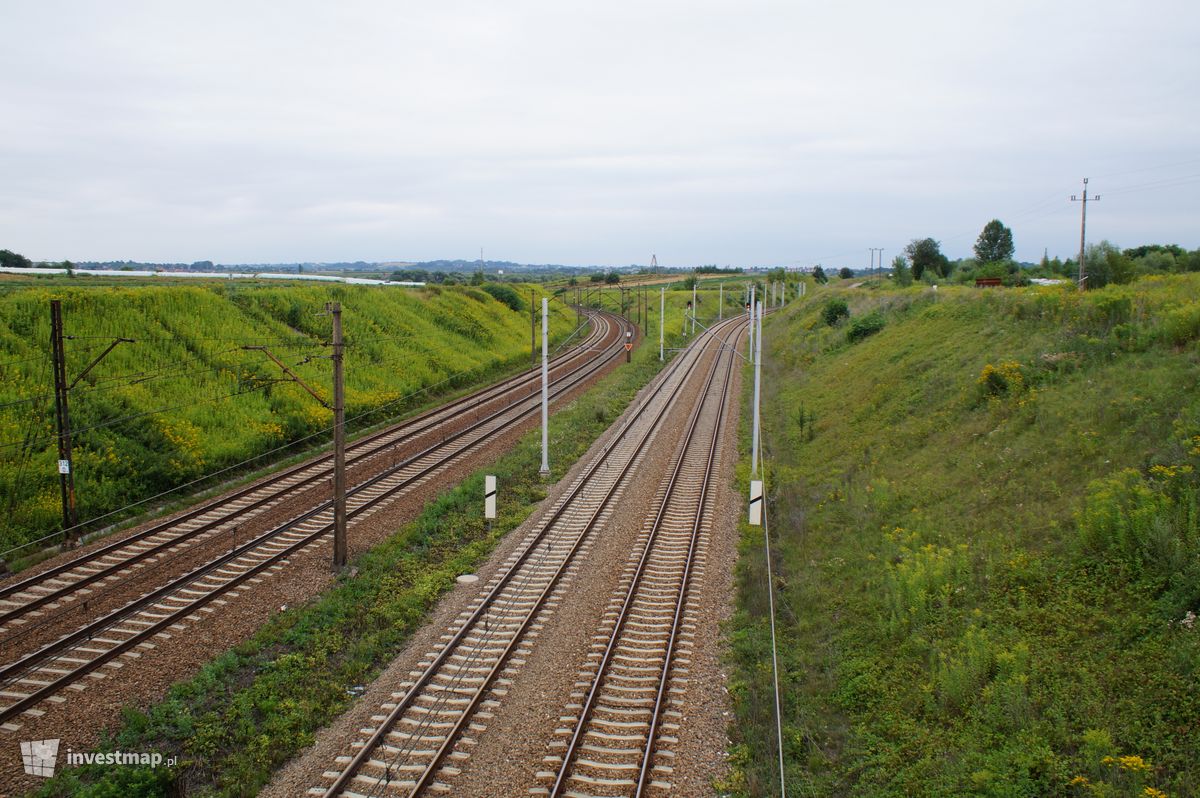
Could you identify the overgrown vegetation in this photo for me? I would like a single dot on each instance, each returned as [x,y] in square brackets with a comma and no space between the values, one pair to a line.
[256,706]
[222,403]
[988,556]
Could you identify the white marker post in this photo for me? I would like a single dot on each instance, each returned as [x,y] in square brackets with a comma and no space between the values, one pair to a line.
[545,470]
[662,317]
[756,498]
[489,497]
[757,312]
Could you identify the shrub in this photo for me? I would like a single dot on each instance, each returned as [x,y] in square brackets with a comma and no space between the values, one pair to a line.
[919,579]
[1001,380]
[506,294]
[1182,324]
[835,310]
[959,678]
[1141,522]
[865,326]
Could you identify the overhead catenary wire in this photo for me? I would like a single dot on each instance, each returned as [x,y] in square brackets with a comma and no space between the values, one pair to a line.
[132,416]
[243,463]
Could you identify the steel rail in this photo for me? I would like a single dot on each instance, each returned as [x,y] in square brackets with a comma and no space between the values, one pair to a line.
[374,444]
[13,672]
[589,702]
[384,726]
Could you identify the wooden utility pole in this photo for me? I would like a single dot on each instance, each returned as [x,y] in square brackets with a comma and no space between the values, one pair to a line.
[339,441]
[1083,229]
[66,476]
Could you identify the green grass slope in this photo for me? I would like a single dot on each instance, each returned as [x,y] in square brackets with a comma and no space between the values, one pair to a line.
[987,549]
[186,400]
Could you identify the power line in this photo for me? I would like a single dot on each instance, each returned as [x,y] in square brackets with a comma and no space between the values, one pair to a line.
[1174,182]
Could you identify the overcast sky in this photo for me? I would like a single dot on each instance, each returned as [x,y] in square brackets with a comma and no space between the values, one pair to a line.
[748,133]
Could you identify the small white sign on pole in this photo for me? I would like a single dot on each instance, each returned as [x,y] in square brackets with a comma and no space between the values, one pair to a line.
[64,466]
[489,496]
[756,502]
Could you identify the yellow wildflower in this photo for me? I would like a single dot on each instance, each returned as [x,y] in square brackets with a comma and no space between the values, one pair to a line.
[1133,762]
[1150,792]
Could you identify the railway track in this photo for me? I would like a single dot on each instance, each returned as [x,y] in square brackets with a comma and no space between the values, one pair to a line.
[103,644]
[629,693]
[80,578]
[427,730]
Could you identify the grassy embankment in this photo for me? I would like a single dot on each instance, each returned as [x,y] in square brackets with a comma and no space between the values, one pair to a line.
[223,403]
[987,546]
[253,708]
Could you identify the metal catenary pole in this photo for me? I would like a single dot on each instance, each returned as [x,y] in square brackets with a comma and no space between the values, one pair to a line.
[756,323]
[750,311]
[695,280]
[66,477]
[545,469]
[62,417]
[662,317]
[339,441]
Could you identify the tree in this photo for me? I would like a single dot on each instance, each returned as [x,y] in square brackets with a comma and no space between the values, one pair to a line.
[12,260]
[819,275]
[1106,264]
[834,311]
[995,243]
[926,254]
[612,278]
[901,274]
[845,272]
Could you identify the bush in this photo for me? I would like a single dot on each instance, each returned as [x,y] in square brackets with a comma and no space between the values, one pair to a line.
[1144,523]
[835,310]
[1182,324]
[1001,380]
[506,294]
[865,326]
